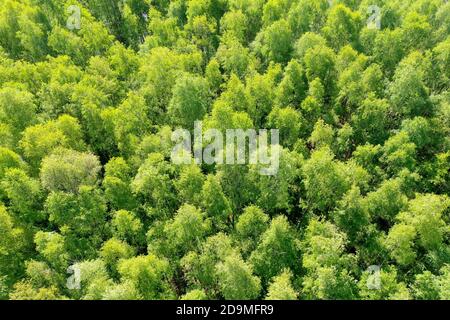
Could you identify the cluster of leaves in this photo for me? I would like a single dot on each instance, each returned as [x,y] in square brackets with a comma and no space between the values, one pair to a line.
[86,181]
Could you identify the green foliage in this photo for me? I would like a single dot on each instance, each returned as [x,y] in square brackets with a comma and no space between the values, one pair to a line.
[214,201]
[148,274]
[199,266]
[66,170]
[183,233]
[325,182]
[42,139]
[126,226]
[342,26]
[88,115]
[153,182]
[190,100]
[328,266]
[281,288]
[195,294]
[24,193]
[113,250]
[389,287]
[17,108]
[276,42]
[250,226]
[190,184]
[12,245]
[236,281]
[288,121]
[276,250]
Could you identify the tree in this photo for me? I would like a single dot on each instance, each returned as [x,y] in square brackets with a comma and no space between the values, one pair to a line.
[342,26]
[235,96]
[66,170]
[153,182]
[113,250]
[425,286]
[443,281]
[236,280]
[424,215]
[117,184]
[158,77]
[236,186]
[17,109]
[408,94]
[305,15]
[91,40]
[127,227]
[40,140]
[190,100]
[274,192]
[250,226]
[281,288]
[12,245]
[260,89]
[51,247]
[399,242]
[423,134]
[195,294]
[130,121]
[123,61]
[200,267]
[233,57]
[328,266]
[234,24]
[389,287]
[9,160]
[215,203]
[185,231]
[123,291]
[201,31]
[276,250]
[24,193]
[370,121]
[322,135]
[292,89]
[190,184]
[277,42]
[313,106]
[308,41]
[213,75]
[23,30]
[320,63]
[80,217]
[148,274]
[351,202]
[399,153]
[442,62]
[273,10]
[351,215]
[388,48]
[93,279]
[325,182]
[288,121]
[387,201]
[417,30]
[24,290]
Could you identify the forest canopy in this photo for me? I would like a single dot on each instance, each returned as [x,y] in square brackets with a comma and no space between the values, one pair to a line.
[92,207]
